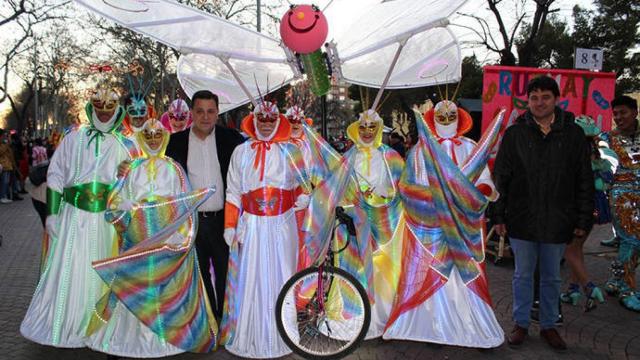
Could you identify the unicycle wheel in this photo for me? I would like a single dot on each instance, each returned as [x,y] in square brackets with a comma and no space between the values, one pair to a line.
[328,331]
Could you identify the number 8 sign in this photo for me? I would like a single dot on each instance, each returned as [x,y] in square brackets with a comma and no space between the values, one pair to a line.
[589,59]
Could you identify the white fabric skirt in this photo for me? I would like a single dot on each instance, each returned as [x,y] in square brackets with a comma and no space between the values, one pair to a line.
[125,335]
[69,287]
[454,315]
[268,258]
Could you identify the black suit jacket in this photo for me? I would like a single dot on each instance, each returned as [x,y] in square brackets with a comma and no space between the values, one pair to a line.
[226,141]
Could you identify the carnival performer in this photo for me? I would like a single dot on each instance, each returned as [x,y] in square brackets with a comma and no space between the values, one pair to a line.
[318,157]
[442,295]
[138,112]
[260,228]
[602,166]
[178,117]
[81,174]
[156,304]
[624,140]
[365,184]
[449,124]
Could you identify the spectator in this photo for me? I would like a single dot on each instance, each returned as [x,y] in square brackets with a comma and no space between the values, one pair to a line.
[7,166]
[543,174]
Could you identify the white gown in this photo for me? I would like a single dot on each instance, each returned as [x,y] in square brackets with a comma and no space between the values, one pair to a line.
[124,334]
[69,287]
[454,315]
[378,176]
[268,253]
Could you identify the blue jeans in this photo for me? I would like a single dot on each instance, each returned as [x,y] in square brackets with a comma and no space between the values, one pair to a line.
[526,255]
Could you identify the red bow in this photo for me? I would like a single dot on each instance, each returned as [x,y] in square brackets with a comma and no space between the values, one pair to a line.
[450,142]
[261,153]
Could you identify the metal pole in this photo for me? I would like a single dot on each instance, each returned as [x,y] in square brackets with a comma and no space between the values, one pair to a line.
[259,13]
[323,115]
[35,61]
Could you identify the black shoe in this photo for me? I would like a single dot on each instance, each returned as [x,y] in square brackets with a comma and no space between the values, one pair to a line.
[534,315]
[17,197]
[23,191]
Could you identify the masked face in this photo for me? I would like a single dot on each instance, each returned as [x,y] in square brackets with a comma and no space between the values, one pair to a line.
[368,131]
[153,139]
[296,126]
[178,122]
[265,124]
[138,112]
[105,102]
[446,113]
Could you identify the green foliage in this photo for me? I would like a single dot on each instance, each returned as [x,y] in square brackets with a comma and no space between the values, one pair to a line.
[555,46]
[612,26]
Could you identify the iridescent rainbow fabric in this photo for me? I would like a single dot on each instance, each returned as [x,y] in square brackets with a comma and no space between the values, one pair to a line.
[156,272]
[445,219]
[375,225]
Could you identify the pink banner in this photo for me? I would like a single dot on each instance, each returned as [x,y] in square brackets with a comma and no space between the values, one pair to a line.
[581,92]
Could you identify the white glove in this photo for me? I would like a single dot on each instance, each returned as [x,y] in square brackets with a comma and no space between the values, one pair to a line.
[51,226]
[302,202]
[229,235]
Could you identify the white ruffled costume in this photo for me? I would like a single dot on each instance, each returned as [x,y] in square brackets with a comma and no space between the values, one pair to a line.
[68,289]
[261,196]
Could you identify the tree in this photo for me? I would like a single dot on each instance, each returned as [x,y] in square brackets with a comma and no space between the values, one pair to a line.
[555,48]
[613,27]
[21,18]
[504,44]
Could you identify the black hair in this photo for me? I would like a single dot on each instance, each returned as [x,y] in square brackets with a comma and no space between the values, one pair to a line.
[543,83]
[625,100]
[204,95]
[397,136]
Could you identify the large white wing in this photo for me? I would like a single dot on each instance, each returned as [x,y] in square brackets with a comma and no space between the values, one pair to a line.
[367,33]
[203,40]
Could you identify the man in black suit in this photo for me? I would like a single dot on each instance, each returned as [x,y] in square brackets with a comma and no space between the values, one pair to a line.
[204,151]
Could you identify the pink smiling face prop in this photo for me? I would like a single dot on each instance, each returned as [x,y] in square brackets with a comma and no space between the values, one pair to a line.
[303,28]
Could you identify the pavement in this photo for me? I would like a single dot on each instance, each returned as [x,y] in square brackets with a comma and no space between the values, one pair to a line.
[608,332]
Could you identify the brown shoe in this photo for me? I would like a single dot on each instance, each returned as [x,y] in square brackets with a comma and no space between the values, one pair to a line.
[552,338]
[517,335]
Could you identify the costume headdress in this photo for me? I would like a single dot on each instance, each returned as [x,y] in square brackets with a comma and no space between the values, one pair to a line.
[137,105]
[153,128]
[454,122]
[178,109]
[373,122]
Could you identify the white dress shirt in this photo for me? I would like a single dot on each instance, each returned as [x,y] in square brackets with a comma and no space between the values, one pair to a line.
[204,169]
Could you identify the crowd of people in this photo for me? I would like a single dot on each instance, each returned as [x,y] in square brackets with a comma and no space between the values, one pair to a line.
[173,233]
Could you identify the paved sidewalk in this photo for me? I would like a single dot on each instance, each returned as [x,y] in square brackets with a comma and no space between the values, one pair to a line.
[607,332]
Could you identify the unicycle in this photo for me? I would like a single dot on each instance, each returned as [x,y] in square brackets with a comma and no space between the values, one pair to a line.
[323,312]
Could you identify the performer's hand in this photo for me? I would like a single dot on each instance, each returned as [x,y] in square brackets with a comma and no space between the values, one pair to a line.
[501,229]
[229,235]
[51,226]
[123,168]
[302,202]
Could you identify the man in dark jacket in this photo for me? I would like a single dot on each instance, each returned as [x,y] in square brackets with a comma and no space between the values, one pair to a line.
[543,174]
[204,151]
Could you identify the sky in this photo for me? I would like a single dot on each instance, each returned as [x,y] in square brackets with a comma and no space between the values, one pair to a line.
[466,37]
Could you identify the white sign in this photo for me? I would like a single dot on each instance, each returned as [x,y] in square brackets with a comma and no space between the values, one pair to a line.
[589,59]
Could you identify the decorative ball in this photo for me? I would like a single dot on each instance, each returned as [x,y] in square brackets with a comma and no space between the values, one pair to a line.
[304,28]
